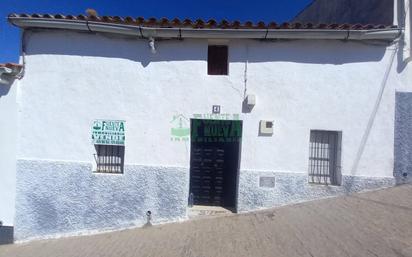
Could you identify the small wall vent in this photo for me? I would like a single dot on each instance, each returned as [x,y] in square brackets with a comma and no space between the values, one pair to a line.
[267,182]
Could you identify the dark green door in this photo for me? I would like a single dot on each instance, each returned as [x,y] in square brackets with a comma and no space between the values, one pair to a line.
[214,164]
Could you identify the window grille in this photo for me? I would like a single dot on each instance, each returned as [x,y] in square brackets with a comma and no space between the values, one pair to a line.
[217,60]
[324,158]
[109,158]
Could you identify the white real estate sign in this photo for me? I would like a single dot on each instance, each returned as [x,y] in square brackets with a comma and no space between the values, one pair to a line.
[108,132]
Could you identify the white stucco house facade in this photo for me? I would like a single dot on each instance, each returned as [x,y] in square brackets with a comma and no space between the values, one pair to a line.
[244,116]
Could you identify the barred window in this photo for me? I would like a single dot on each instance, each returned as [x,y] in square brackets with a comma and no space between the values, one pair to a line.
[324,157]
[109,158]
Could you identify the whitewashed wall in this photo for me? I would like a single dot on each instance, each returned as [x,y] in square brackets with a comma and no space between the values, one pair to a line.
[73,78]
[8,132]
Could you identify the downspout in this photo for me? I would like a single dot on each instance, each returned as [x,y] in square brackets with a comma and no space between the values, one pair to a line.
[403,19]
[23,55]
[408,27]
[396,7]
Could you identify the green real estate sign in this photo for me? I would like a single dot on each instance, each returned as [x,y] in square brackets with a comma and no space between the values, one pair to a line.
[108,132]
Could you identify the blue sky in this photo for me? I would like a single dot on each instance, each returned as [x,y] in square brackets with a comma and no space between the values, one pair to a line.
[254,10]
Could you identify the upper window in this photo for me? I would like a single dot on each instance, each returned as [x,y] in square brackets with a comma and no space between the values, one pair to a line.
[217,60]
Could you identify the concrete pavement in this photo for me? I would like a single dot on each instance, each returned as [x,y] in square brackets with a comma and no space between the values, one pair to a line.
[374,224]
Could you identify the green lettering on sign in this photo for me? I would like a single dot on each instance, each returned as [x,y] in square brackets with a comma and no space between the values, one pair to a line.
[108,132]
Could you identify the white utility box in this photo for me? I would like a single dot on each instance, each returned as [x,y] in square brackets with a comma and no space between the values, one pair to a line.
[251,100]
[266,127]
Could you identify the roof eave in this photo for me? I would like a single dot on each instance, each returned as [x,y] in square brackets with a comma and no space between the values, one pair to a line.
[388,34]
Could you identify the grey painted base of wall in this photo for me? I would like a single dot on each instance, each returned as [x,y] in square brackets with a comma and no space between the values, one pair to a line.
[55,198]
[294,188]
[403,137]
[65,198]
[6,235]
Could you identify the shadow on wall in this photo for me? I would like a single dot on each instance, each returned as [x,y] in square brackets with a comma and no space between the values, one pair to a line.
[403,137]
[110,46]
[6,235]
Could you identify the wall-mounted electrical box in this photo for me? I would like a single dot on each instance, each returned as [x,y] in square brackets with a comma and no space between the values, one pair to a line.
[250,100]
[266,127]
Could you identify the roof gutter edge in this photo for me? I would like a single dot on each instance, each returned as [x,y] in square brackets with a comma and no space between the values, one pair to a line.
[147,32]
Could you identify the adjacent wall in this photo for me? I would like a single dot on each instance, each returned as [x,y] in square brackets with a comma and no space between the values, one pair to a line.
[8,133]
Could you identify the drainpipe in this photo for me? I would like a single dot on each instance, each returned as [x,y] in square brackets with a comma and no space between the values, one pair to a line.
[152,45]
[402,19]
[403,16]
[408,28]
[395,12]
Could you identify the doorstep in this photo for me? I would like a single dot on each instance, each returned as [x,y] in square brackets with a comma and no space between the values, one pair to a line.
[200,211]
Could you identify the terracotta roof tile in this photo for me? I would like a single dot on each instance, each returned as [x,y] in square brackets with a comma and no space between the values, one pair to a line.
[202,24]
[10,65]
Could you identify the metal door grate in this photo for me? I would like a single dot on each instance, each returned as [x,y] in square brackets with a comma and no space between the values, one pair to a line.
[324,159]
[109,158]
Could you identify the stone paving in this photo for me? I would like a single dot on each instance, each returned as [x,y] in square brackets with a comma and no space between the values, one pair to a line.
[374,224]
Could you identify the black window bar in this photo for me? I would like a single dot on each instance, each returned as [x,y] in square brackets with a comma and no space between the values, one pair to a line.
[109,158]
[324,159]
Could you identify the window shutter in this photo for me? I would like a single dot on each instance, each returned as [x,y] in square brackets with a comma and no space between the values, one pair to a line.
[217,63]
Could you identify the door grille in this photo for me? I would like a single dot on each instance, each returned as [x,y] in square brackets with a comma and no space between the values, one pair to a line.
[324,158]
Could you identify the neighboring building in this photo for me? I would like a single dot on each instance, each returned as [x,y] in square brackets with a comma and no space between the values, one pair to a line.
[120,116]
[347,11]
[8,148]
